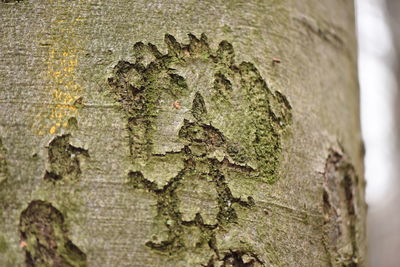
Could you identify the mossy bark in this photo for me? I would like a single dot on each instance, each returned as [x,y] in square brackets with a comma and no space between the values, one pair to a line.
[180,133]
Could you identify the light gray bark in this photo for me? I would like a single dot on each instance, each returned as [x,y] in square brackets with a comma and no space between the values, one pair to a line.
[127,142]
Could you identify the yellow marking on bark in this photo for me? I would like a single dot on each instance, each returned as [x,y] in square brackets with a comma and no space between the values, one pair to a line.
[52,129]
[62,64]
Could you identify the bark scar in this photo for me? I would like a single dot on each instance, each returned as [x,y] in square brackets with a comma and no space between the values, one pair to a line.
[44,237]
[340,194]
[187,153]
[64,159]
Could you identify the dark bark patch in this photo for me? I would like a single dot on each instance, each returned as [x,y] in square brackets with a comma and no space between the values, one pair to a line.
[340,227]
[10,1]
[222,84]
[64,159]
[199,110]
[236,258]
[202,134]
[45,237]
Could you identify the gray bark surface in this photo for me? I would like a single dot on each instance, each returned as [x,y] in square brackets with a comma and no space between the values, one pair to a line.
[180,133]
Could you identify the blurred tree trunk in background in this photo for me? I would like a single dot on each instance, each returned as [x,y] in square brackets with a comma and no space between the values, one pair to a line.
[393,9]
[180,133]
[384,224]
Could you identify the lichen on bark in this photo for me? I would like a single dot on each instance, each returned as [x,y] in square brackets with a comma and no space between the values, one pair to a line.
[185,138]
[209,87]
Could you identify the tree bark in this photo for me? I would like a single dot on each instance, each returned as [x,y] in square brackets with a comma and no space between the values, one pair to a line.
[180,133]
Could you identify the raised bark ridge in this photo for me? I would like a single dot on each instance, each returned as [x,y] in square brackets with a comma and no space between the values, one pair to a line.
[187,144]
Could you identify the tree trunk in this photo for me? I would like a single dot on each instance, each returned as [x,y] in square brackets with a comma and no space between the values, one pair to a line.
[384,237]
[180,133]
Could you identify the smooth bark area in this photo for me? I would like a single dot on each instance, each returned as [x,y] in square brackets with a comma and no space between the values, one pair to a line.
[180,133]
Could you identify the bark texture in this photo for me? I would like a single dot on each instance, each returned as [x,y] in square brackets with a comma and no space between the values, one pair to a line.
[180,133]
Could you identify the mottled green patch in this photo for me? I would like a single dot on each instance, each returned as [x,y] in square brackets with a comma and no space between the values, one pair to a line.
[3,244]
[203,82]
[195,118]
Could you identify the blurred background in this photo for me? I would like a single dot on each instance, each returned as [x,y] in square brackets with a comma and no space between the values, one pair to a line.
[378,29]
